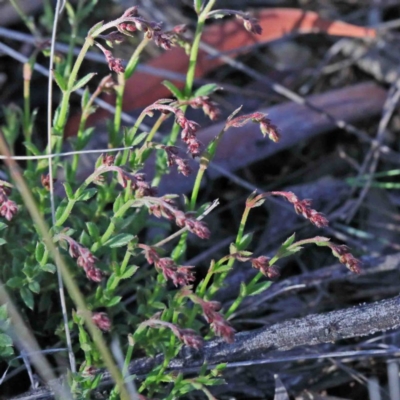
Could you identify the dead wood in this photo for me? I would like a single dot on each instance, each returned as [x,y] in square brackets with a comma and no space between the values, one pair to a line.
[272,341]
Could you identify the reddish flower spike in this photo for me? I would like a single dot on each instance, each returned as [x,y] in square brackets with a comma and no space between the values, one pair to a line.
[102,321]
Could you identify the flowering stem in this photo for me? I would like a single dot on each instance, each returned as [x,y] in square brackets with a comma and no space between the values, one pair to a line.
[155,127]
[196,187]
[71,202]
[131,136]
[190,75]
[64,107]
[217,283]
[206,158]
[120,89]
[110,230]
[194,51]
[144,152]
[203,286]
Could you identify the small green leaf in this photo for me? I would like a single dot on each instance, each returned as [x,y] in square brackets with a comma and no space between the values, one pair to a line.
[84,239]
[112,282]
[243,290]
[131,67]
[94,384]
[3,312]
[49,268]
[60,80]
[283,252]
[6,352]
[122,239]
[83,81]
[233,248]
[27,297]
[68,191]
[57,129]
[95,27]
[118,203]
[85,98]
[32,148]
[86,347]
[93,230]
[173,89]
[39,251]
[2,226]
[2,241]
[5,340]
[259,288]
[245,241]
[205,90]
[114,301]
[34,287]
[118,222]
[83,138]
[158,305]
[129,272]
[289,240]
[87,194]
[221,367]
[15,282]
[222,268]
[61,208]
[139,138]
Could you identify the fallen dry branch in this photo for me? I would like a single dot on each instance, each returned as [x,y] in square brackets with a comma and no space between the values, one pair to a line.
[270,342]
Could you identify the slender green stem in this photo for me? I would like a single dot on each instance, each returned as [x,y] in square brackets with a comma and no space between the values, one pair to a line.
[191,73]
[125,262]
[111,227]
[74,35]
[71,202]
[28,21]
[155,127]
[203,286]
[196,187]
[131,136]
[194,51]
[221,277]
[120,90]
[64,107]
[242,225]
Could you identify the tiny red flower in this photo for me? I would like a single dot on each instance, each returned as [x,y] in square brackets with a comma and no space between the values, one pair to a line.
[218,324]
[45,180]
[85,258]
[342,252]
[108,159]
[101,320]
[303,207]
[115,64]
[8,209]
[190,338]
[266,126]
